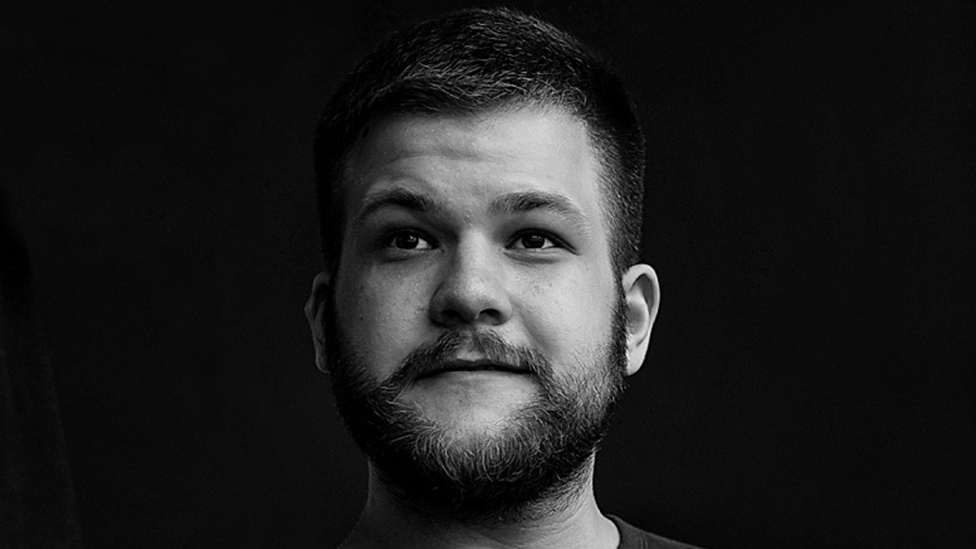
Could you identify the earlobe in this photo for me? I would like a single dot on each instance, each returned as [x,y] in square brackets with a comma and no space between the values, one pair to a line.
[642,296]
[315,310]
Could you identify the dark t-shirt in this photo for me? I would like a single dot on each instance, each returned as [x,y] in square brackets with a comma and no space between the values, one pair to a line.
[633,538]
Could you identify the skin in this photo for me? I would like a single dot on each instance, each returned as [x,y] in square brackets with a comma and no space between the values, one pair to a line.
[489,222]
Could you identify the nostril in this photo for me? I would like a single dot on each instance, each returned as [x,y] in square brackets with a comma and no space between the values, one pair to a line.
[454,310]
[459,315]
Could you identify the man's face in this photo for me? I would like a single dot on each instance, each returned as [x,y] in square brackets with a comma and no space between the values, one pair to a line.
[475,286]
[468,224]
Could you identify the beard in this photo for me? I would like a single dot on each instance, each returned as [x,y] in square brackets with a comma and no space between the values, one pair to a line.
[526,469]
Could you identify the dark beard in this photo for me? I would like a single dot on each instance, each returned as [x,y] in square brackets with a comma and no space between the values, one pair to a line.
[525,471]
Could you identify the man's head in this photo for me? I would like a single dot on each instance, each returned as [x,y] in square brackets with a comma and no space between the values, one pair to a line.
[475,61]
[480,190]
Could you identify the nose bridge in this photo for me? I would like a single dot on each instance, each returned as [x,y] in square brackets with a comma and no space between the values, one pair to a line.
[472,257]
[472,285]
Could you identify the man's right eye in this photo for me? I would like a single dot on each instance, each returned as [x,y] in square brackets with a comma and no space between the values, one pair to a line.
[408,240]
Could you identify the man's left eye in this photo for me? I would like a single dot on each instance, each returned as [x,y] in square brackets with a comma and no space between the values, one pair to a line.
[533,241]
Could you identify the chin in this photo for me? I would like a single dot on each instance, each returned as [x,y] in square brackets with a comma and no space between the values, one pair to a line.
[465,419]
[477,429]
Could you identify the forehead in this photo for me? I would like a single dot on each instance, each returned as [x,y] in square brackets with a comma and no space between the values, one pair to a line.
[480,156]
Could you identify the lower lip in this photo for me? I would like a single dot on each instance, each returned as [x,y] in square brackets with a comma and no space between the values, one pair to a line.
[466,373]
[456,393]
[478,377]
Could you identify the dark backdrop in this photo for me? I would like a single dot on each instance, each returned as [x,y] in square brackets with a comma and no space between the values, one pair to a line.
[809,211]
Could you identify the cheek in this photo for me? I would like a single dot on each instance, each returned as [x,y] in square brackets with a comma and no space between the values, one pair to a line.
[382,316]
[566,317]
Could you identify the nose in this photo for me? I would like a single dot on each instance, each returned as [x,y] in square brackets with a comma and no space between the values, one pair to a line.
[471,290]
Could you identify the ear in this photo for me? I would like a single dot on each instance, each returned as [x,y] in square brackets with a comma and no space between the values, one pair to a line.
[642,295]
[315,313]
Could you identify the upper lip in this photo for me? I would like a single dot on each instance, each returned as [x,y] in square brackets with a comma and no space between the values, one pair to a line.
[473,366]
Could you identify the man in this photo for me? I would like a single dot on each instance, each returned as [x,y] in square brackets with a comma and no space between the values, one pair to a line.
[480,186]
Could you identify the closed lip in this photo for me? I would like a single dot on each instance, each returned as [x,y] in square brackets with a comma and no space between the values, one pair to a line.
[473,366]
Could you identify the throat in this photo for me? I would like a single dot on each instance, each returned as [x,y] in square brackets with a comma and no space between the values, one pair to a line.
[570,520]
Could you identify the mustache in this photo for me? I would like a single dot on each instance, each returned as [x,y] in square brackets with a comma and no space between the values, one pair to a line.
[489,346]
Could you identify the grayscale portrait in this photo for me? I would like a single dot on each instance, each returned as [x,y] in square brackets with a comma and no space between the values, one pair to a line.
[480,274]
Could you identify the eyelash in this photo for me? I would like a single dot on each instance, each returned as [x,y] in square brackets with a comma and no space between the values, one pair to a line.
[556,241]
[388,239]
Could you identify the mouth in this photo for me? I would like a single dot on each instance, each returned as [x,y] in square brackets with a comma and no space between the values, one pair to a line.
[473,366]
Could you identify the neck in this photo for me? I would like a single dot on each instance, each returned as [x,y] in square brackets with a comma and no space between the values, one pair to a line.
[575,522]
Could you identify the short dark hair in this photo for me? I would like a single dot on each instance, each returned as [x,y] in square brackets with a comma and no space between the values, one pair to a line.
[474,61]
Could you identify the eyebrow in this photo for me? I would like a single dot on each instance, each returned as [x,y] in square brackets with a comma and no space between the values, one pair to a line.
[527,201]
[509,204]
[397,197]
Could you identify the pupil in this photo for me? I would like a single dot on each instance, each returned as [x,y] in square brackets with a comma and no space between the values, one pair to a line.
[533,241]
[406,241]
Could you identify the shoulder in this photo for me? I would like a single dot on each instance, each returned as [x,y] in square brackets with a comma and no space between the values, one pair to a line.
[635,538]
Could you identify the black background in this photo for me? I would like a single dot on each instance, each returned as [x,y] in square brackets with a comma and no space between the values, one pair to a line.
[809,212]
